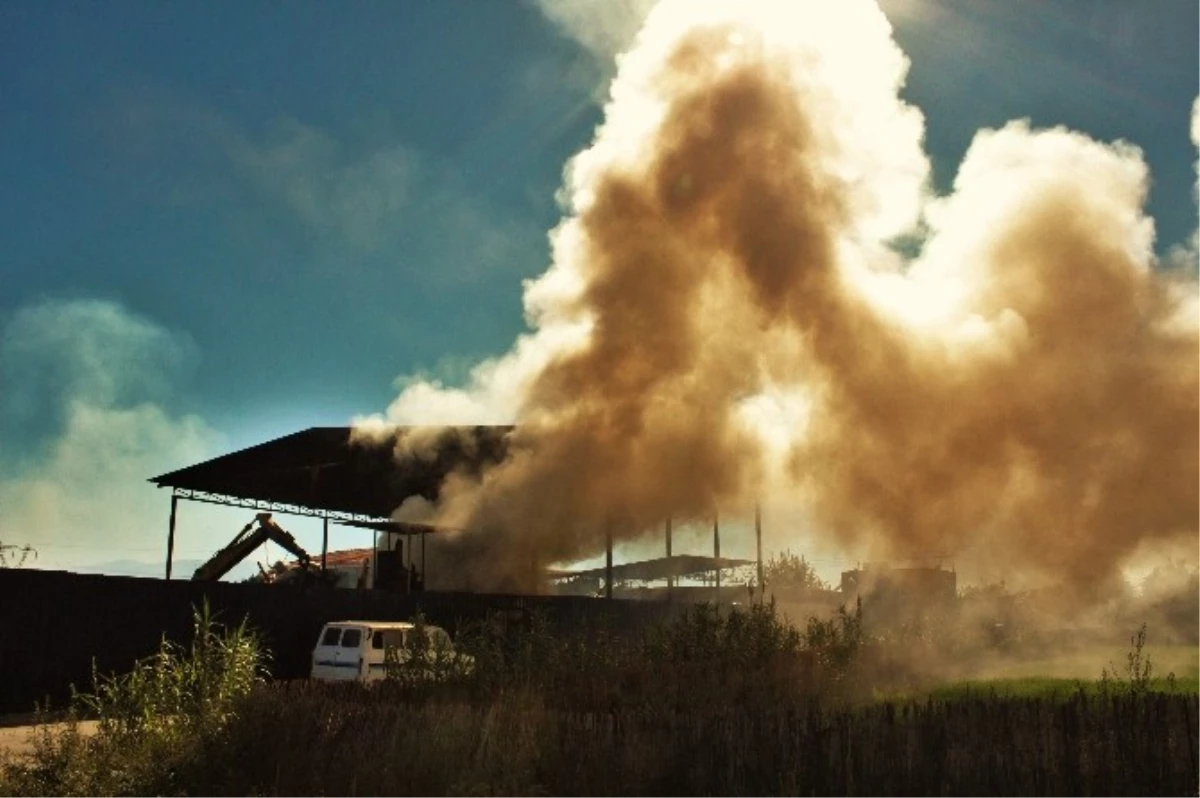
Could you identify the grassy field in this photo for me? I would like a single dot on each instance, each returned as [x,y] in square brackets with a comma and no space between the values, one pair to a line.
[1173,669]
[1041,687]
[1087,662]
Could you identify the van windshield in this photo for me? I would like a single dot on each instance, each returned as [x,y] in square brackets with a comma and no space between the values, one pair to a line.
[331,636]
[351,638]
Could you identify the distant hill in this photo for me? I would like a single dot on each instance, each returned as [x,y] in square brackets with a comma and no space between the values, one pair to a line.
[182,569]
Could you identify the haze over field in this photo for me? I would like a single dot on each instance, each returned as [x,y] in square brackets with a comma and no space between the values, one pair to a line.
[728,317]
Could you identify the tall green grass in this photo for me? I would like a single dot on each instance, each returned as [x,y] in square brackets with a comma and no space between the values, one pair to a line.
[301,739]
[180,689]
[155,722]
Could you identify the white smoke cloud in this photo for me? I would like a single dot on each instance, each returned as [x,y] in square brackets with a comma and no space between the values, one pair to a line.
[878,152]
[350,195]
[1195,127]
[86,391]
[1185,257]
[54,351]
[358,196]
[1195,142]
[607,28]
[355,197]
[604,27]
[722,314]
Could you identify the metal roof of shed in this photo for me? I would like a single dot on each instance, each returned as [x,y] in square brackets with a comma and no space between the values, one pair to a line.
[679,565]
[321,469]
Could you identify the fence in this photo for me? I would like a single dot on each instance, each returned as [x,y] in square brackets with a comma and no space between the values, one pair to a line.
[54,625]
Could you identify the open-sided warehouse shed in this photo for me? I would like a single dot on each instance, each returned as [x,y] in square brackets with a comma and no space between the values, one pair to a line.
[328,473]
[360,480]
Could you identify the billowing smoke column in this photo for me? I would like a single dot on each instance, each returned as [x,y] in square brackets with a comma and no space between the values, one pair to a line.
[722,320]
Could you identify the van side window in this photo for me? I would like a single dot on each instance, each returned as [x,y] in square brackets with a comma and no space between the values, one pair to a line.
[351,638]
[331,636]
[384,638]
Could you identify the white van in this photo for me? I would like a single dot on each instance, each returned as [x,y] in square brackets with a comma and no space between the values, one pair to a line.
[350,651]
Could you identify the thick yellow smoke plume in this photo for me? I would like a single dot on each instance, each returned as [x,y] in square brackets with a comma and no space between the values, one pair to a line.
[722,321]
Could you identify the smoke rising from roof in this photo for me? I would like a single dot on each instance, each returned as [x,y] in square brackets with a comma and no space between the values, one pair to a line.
[724,320]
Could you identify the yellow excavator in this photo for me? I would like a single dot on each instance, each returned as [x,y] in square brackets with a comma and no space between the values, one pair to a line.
[244,543]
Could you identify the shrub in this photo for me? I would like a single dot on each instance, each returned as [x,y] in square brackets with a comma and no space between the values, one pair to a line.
[1138,668]
[152,721]
[789,570]
[426,658]
[197,686]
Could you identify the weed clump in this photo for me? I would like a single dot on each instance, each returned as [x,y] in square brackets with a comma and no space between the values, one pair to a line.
[152,723]
[426,658]
[180,689]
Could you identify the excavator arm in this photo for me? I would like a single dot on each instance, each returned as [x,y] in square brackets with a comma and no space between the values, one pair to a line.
[244,543]
[284,539]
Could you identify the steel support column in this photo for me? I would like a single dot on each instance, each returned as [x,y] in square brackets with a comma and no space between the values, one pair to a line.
[324,544]
[608,572]
[717,550]
[171,534]
[758,542]
[670,579]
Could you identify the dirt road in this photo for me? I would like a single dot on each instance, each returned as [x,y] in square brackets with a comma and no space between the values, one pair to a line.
[19,739]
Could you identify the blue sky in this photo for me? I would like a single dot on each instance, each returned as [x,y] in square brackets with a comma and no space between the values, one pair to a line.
[221,223]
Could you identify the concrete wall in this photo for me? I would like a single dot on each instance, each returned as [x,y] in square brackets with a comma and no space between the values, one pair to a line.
[53,623]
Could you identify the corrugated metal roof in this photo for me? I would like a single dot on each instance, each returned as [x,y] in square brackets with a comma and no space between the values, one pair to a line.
[320,469]
[336,559]
[397,527]
[679,565]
